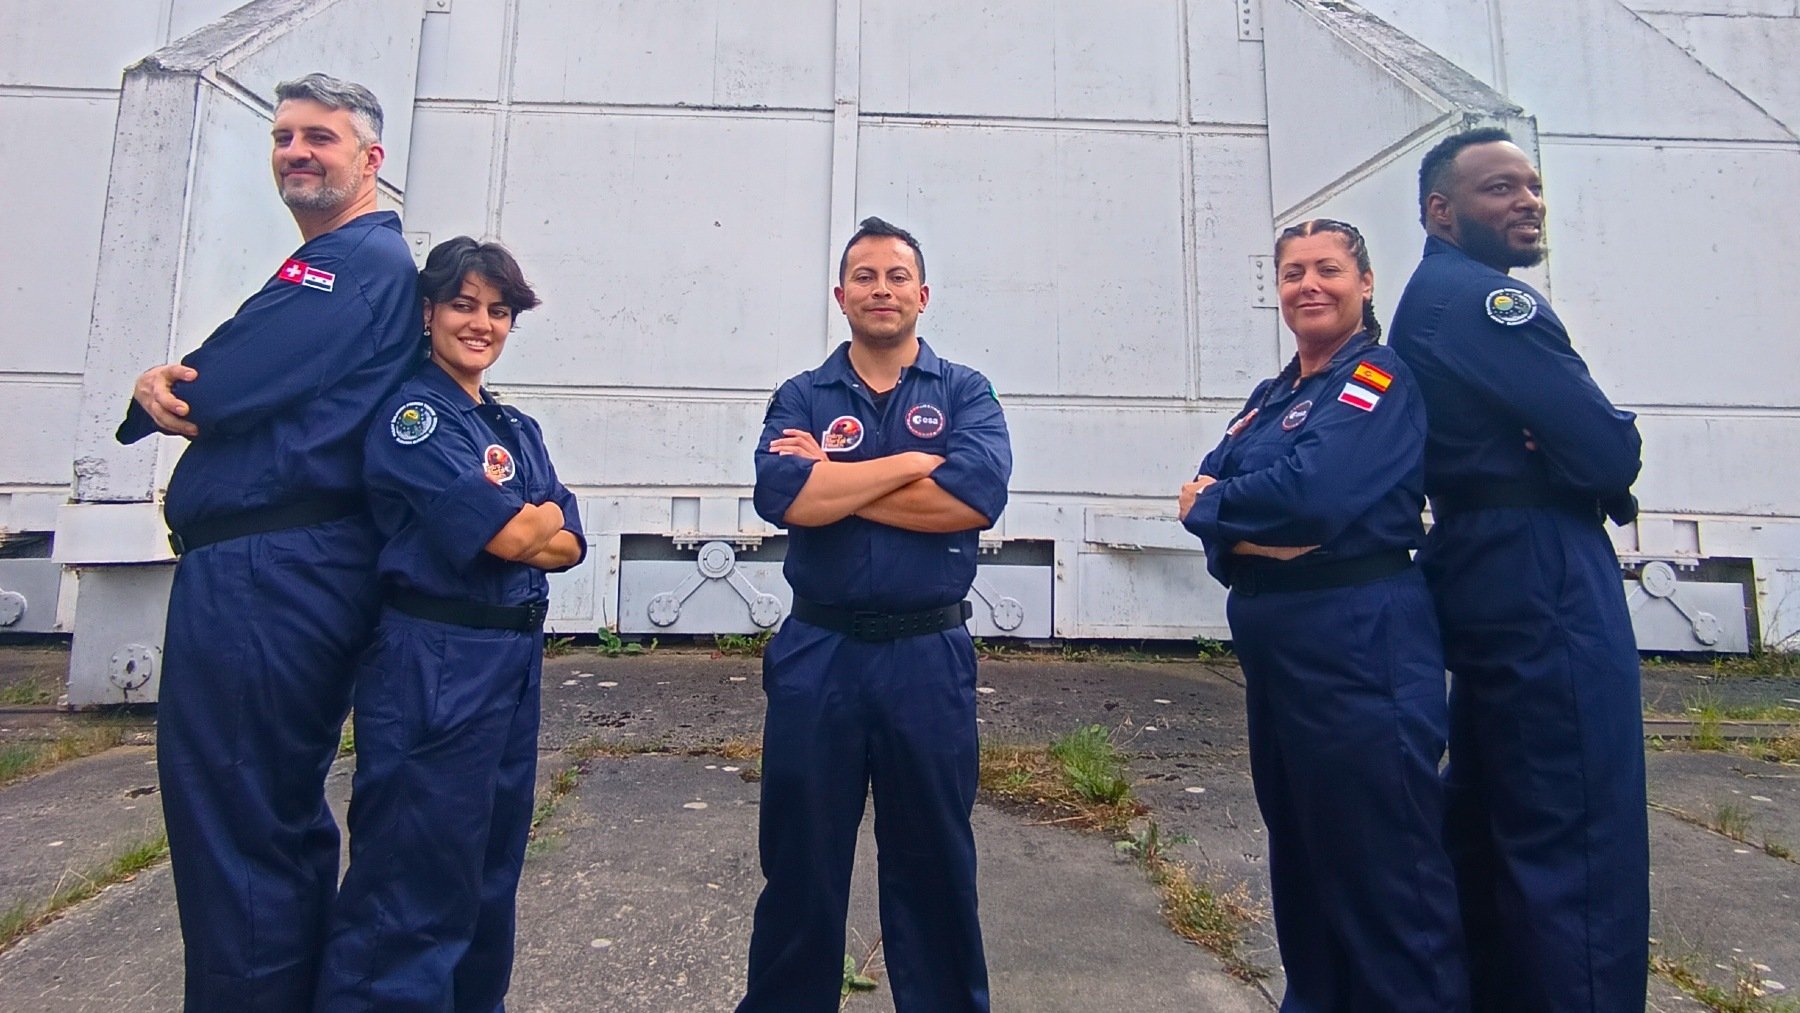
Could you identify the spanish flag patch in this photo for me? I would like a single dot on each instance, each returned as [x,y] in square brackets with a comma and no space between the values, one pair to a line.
[1377,378]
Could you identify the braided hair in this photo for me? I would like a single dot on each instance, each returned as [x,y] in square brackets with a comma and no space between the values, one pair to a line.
[1353,242]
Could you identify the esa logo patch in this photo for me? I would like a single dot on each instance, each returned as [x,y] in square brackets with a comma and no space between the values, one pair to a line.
[497,462]
[412,423]
[1296,415]
[925,421]
[1511,306]
[844,433]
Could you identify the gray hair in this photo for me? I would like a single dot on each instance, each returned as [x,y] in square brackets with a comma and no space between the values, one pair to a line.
[336,93]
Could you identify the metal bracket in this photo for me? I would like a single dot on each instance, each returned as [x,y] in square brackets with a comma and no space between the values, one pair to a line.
[1007,613]
[12,607]
[133,665]
[437,6]
[1657,582]
[716,561]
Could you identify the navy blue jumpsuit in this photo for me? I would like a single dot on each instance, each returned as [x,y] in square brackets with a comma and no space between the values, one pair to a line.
[446,714]
[1546,777]
[264,629]
[1344,680]
[845,713]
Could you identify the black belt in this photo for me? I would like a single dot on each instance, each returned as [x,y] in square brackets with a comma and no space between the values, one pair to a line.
[264,519]
[480,615]
[1254,576]
[877,626]
[1500,493]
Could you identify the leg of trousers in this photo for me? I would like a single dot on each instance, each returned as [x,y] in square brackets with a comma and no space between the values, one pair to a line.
[1348,722]
[844,714]
[446,717]
[260,652]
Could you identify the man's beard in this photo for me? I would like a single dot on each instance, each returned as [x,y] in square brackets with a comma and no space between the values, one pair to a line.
[1489,246]
[323,197]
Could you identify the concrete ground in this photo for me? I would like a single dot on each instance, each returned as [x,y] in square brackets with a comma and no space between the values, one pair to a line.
[639,893]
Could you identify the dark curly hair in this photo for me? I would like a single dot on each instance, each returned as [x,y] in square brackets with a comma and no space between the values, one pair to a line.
[872,226]
[455,259]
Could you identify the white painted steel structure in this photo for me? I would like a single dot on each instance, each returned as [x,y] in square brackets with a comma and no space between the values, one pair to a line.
[1096,183]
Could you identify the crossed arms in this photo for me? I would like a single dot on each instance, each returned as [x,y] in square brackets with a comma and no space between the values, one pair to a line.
[896,490]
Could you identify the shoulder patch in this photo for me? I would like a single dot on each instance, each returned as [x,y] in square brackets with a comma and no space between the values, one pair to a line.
[1374,376]
[299,272]
[413,423]
[1511,306]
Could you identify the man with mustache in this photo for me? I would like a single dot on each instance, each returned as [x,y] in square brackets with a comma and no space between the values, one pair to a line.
[1525,458]
[275,592]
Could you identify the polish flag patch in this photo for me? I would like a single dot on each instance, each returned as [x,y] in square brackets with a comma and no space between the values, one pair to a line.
[1357,396]
[299,272]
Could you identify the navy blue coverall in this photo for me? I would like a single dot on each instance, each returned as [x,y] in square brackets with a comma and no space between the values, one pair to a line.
[446,714]
[264,629]
[1546,778]
[1344,683]
[845,714]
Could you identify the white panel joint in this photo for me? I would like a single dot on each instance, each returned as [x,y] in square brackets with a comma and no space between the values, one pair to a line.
[1250,27]
[1262,281]
[437,6]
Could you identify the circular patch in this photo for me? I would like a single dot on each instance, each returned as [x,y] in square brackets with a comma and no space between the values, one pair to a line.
[925,421]
[412,423]
[844,433]
[1296,415]
[497,461]
[1511,306]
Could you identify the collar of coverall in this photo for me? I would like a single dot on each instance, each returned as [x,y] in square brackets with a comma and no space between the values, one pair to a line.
[837,368]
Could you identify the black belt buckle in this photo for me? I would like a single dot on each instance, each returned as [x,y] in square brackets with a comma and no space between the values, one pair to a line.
[536,613]
[175,544]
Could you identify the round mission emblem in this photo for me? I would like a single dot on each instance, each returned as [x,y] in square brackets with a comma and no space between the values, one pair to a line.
[1296,415]
[412,423]
[925,421]
[1511,306]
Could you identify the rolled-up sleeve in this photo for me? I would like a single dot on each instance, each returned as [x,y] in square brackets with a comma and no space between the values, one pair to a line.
[978,454]
[443,480]
[780,477]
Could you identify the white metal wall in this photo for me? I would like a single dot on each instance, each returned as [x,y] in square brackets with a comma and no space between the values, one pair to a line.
[1094,182]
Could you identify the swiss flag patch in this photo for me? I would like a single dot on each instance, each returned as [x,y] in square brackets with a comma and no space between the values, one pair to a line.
[299,272]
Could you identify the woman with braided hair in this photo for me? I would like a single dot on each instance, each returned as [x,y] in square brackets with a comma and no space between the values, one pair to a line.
[1309,509]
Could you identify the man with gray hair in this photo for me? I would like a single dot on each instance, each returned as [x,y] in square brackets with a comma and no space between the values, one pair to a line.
[275,592]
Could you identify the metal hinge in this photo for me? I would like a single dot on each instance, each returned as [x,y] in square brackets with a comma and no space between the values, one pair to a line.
[437,6]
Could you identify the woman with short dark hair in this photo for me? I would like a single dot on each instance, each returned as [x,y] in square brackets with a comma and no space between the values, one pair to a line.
[1308,509]
[447,696]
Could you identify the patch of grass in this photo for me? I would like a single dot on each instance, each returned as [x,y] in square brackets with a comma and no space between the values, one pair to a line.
[1198,909]
[1781,660]
[25,917]
[610,644]
[736,645]
[1785,749]
[556,647]
[1093,765]
[1730,821]
[347,737]
[1746,994]
[1209,649]
[854,979]
[20,760]
[1704,711]
[26,694]
[1089,789]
